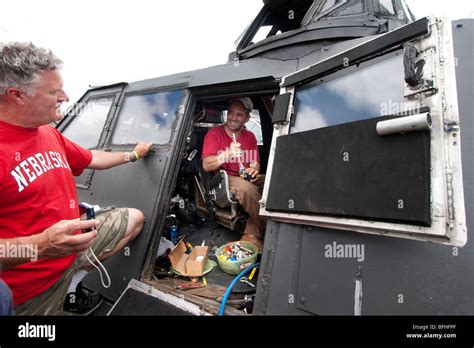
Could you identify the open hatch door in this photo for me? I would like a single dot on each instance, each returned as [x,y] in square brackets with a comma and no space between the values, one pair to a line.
[369,140]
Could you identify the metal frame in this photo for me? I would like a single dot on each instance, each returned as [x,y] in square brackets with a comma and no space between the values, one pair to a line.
[365,50]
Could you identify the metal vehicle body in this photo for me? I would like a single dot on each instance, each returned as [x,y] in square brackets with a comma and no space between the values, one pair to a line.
[364,217]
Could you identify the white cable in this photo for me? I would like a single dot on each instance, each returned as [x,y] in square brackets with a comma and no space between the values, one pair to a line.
[100,272]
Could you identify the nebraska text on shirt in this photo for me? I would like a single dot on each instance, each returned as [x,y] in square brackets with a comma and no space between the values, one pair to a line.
[35,166]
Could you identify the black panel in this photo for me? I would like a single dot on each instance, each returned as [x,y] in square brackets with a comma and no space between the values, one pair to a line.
[135,302]
[383,42]
[399,276]
[132,185]
[349,170]
[316,283]
[84,180]
[281,108]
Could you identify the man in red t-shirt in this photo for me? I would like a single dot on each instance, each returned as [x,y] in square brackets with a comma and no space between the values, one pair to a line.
[40,230]
[234,149]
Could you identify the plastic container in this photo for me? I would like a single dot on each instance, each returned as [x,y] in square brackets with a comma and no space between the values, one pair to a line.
[235,267]
[174,234]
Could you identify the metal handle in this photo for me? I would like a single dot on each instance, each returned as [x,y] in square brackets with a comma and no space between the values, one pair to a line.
[406,124]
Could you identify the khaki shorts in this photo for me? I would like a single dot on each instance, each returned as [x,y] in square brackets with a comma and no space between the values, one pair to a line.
[112,227]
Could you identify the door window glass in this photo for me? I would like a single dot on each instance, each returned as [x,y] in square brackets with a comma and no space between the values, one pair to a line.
[353,97]
[87,125]
[147,117]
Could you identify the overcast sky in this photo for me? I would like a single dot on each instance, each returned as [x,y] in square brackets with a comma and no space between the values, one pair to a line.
[108,41]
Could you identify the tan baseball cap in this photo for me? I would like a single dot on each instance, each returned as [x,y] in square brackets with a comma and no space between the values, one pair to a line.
[246,102]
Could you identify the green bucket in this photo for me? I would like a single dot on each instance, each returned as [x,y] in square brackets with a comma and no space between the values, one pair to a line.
[235,267]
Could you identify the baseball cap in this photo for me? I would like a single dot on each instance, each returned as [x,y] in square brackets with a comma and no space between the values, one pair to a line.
[246,102]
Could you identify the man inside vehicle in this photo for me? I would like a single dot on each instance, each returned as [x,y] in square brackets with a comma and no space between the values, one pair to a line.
[233,148]
[39,207]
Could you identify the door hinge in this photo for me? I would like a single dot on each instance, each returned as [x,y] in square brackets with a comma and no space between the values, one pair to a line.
[450,193]
[291,109]
[451,127]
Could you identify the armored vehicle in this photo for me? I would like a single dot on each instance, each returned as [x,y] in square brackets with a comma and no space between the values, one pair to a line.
[364,118]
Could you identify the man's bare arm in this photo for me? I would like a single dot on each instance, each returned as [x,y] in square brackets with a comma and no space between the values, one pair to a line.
[56,241]
[213,163]
[105,160]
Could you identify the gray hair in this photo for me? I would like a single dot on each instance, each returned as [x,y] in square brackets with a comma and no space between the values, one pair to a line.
[20,64]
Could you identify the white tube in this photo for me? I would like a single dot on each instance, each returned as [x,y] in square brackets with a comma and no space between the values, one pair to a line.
[406,124]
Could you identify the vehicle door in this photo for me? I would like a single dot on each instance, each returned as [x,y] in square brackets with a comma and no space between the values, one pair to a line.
[369,140]
[115,119]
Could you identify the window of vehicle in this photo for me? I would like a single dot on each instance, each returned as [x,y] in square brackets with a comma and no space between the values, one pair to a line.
[386,7]
[276,18]
[338,102]
[355,7]
[352,7]
[264,32]
[329,4]
[87,124]
[147,117]
[253,125]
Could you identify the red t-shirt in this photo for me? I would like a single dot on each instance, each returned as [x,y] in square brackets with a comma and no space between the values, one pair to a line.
[37,190]
[217,140]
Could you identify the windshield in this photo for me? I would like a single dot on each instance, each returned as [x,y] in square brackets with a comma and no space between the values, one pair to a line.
[330,4]
[336,8]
